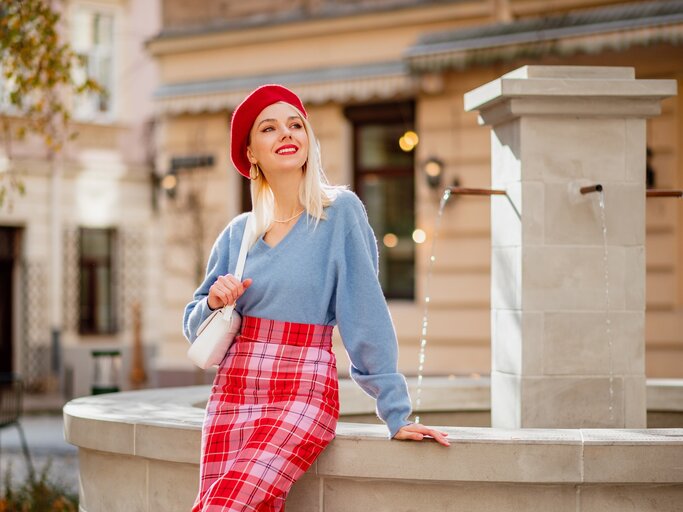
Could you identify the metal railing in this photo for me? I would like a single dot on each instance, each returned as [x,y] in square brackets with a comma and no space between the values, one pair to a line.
[11,407]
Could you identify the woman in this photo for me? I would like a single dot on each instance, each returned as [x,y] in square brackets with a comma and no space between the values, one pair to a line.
[312,264]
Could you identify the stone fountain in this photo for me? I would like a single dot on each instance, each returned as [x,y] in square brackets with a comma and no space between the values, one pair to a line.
[568,390]
[566,354]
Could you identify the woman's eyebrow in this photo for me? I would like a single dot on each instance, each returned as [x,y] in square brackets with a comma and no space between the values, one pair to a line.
[275,120]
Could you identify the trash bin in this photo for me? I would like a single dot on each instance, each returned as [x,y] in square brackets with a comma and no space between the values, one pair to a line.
[107,365]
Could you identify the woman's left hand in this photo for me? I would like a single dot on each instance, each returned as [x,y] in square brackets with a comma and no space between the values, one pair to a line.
[417,432]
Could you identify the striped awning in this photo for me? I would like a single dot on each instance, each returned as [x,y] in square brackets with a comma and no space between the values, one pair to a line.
[387,80]
[616,27]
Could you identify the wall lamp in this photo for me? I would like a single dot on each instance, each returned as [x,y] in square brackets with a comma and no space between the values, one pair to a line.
[433,170]
[169,181]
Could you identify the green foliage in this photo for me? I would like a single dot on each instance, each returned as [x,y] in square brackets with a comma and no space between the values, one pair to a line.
[37,69]
[41,495]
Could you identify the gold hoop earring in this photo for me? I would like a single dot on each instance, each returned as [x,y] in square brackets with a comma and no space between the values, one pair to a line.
[254,172]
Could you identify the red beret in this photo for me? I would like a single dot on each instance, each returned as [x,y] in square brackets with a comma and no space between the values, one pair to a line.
[246,113]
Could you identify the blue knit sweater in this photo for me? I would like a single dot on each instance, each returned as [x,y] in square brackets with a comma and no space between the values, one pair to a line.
[324,275]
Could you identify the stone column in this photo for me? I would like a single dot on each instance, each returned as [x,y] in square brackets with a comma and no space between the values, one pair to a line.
[568,311]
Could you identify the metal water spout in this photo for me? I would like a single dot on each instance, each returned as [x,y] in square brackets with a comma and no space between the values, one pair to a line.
[664,193]
[463,191]
[590,188]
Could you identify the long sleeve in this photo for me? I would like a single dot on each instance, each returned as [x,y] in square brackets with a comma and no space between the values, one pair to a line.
[366,327]
[197,310]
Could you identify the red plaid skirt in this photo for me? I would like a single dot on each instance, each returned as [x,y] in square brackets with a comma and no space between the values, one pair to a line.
[273,408]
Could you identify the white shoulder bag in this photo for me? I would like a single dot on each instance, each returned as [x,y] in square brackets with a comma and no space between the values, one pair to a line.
[217,332]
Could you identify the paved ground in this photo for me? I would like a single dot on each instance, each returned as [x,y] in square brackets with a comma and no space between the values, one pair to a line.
[45,437]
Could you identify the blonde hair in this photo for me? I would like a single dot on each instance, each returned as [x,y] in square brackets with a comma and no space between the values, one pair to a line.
[315,191]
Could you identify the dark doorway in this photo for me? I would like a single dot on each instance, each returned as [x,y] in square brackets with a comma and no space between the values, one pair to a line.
[9,248]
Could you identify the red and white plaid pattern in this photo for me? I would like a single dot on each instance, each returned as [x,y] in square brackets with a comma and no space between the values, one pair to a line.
[273,409]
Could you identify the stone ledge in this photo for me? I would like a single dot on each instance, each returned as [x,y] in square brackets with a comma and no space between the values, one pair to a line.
[571,81]
[164,425]
[665,395]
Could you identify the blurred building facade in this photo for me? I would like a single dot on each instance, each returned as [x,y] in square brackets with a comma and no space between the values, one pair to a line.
[106,220]
[370,71]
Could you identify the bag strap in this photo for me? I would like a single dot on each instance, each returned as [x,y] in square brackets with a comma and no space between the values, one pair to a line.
[246,237]
[226,311]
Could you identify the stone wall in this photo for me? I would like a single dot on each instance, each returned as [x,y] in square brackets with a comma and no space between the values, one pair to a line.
[140,451]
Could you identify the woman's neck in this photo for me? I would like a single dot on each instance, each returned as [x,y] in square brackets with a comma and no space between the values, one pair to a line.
[286,193]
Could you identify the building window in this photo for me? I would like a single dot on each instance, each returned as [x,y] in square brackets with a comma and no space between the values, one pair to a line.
[384,180]
[93,40]
[97,311]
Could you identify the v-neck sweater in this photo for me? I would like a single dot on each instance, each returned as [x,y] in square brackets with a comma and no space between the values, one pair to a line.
[327,275]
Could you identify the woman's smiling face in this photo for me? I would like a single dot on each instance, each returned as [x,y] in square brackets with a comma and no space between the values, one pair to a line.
[278,139]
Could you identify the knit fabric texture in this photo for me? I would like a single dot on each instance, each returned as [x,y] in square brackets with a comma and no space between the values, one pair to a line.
[324,275]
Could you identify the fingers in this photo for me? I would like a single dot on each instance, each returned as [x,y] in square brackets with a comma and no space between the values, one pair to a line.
[440,437]
[226,290]
[414,436]
[417,432]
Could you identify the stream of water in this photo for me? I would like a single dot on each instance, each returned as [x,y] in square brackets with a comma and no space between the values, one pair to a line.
[608,319]
[425,322]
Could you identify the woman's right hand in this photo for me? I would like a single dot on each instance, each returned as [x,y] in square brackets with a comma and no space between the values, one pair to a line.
[226,290]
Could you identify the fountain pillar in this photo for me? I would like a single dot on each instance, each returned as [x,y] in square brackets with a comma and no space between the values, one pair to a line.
[568,302]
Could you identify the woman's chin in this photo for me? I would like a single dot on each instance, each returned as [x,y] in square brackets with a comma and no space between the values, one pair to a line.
[285,168]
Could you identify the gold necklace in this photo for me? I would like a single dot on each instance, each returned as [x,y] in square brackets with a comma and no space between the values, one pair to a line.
[291,218]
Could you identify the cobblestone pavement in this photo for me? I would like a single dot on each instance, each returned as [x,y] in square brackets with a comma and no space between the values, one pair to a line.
[45,437]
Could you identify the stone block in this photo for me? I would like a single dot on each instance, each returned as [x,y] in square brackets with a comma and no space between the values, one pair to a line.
[635,401]
[571,402]
[531,209]
[172,486]
[506,278]
[573,278]
[619,498]
[633,456]
[573,219]
[168,443]
[307,493]
[344,495]
[568,148]
[635,151]
[505,400]
[505,154]
[584,343]
[105,472]
[97,434]
[517,342]
[506,341]
[634,278]
[519,216]
[533,334]
[506,223]
[625,213]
